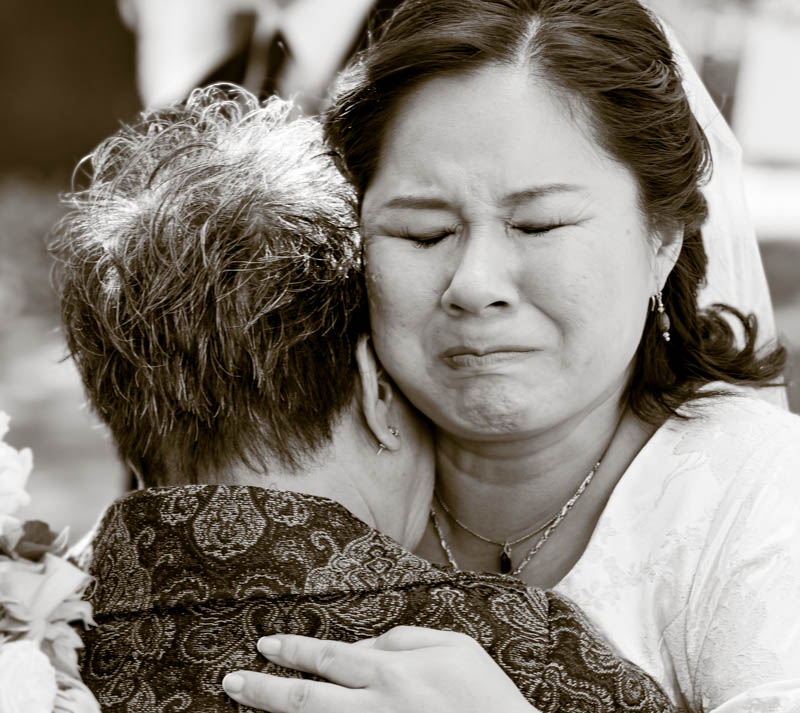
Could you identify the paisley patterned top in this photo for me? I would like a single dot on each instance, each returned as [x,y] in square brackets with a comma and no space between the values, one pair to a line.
[188,578]
[693,570]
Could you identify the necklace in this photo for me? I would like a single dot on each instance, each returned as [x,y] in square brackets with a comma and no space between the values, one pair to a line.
[505,545]
[505,556]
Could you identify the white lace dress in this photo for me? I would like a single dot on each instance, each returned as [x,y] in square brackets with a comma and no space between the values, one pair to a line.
[693,571]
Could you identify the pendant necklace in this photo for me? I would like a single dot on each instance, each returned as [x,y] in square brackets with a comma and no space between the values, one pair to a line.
[547,528]
[506,545]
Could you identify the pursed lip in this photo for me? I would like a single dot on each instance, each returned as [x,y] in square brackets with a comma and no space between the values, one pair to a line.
[468,356]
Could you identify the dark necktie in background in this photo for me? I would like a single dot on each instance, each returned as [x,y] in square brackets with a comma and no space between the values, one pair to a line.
[266,62]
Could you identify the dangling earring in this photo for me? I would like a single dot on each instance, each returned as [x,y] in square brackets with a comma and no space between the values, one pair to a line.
[662,319]
[382,446]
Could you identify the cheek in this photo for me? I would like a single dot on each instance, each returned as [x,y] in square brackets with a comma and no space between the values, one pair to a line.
[581,315]
[395,299]
[620,306]
[598,301]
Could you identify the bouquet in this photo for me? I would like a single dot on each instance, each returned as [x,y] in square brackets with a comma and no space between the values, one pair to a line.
[40,599]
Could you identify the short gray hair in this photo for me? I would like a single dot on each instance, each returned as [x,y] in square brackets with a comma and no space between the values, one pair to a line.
[211,287]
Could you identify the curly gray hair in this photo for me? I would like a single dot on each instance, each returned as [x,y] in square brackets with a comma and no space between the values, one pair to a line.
[210,285]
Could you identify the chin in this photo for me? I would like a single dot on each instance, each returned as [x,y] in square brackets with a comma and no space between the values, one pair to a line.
[494,411]
[488,422]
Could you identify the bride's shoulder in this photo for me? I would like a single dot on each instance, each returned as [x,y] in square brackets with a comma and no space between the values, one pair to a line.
[734,414]
[735,436]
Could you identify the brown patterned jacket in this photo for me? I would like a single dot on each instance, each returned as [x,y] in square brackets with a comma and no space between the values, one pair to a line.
[188,578]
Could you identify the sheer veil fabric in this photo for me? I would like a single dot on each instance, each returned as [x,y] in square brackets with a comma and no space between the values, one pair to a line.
[735,272]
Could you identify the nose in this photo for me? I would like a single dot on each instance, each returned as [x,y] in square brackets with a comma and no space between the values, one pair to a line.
[483,279]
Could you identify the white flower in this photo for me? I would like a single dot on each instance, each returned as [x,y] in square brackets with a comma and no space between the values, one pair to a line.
[27,679]
[74,697]
[40,599]
[41,595]
[15,467]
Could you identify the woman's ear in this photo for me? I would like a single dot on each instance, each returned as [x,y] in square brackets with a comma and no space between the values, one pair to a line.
[377,394]
[670,243]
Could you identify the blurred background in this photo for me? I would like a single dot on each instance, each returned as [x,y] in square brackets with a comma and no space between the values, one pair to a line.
[68,76]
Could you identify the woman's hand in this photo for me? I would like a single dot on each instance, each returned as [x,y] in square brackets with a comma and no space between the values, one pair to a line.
[406,670]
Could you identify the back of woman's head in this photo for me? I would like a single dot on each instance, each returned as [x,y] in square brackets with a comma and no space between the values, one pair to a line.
[611,64]
[210,287]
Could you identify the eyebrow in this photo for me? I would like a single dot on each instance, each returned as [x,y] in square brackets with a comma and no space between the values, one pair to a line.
[535,192]
[512,199]
[418,202]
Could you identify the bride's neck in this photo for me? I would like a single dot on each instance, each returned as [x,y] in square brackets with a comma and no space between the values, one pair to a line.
[505,493]
[503,488]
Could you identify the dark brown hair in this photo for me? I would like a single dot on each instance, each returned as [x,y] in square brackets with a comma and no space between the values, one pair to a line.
[210,287]
[612,64]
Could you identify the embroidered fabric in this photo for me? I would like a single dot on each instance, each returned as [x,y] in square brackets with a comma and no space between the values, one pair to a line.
[187,580]
[693,570]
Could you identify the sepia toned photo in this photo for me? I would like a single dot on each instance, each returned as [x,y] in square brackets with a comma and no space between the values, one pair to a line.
[400,356]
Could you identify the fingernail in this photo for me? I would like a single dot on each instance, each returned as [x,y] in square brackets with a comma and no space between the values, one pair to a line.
[233,683]
[269,645]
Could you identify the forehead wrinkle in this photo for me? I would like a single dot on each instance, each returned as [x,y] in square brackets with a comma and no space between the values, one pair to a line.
[454,183]
[533,193]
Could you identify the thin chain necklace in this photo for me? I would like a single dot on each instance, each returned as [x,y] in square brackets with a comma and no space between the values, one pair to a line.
[505,555]
[505,545]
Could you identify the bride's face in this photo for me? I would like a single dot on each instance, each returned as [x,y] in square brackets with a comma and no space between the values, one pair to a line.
[508,264]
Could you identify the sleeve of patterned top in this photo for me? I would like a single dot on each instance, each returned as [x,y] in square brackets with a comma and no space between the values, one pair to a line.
[582,669]
[743,624]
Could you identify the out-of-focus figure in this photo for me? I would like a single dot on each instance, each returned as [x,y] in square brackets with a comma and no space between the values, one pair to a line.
[288,47]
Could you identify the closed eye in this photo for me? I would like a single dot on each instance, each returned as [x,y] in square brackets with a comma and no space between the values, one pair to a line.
[425,240]
[537,229]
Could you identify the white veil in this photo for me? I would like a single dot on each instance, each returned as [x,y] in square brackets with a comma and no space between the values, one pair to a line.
[735,274]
